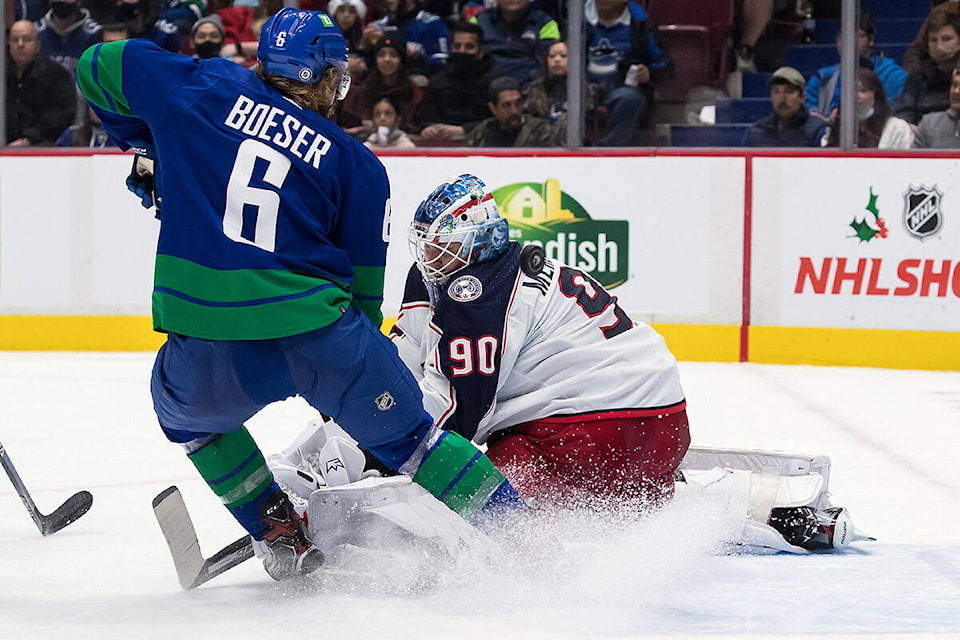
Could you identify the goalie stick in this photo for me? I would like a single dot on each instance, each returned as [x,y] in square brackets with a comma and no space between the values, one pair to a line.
[192,568]
[74,507]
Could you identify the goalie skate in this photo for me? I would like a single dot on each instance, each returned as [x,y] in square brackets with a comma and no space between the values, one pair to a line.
[782,498]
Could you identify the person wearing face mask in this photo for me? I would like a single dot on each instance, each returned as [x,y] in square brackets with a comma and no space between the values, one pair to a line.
[66,31]
[207,36]
[927,88]
[456,99]
[823,87]
[141,20]
[878,128]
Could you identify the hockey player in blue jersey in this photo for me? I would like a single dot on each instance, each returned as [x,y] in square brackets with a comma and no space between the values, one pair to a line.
[269,270]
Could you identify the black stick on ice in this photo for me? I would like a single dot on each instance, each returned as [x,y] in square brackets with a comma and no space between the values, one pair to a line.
[74,507]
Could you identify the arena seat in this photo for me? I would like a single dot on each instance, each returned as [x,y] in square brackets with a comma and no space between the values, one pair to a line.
[717,135]
[756,85]
[741,110]
[700,30]
[896,9]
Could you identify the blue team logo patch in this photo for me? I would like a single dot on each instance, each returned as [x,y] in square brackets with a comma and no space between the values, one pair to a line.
[465,289]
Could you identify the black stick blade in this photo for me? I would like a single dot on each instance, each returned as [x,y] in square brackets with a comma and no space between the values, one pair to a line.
[71,510]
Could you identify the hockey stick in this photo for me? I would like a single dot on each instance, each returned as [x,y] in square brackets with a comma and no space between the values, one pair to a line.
[192,568]
[74,507]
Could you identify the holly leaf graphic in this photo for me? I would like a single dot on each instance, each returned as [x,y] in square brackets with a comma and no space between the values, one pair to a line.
[863,231]
[872,205]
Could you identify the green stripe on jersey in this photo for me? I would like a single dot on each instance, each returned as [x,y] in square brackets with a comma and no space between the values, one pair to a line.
[231,285]
[459,475]
[241,304]
[109,77]
[368,292]
[234,467]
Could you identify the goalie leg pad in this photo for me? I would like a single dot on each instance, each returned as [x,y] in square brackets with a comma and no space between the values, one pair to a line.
[384,513]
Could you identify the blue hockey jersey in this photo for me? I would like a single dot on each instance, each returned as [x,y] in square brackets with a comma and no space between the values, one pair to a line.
[273,218]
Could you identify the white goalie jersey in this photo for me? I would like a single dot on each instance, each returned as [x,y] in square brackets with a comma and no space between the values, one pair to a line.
[495,347]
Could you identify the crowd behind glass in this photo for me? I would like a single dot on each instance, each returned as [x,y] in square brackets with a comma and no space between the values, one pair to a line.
[493,73]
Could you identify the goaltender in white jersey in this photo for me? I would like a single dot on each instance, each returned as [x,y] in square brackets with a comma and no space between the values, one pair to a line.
[536,359]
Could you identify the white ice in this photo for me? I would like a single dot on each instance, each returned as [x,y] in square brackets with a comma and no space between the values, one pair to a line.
[73,421]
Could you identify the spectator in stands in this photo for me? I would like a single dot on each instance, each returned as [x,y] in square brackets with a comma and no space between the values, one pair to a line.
[41,96]
[207,36]
[242,22]
[387,133]
[754,16]
[66,31]
[349,16]
[927,88]
[183,13]
[89,133]
[941,129]
[878,127]
[133,19]
[509,127]
[626,61]
[116,31]
[456,98]
[920,48]
[390,76]
[517,37]
[790,124]
[31,10]
[546,97]
[823,87]
[425,34]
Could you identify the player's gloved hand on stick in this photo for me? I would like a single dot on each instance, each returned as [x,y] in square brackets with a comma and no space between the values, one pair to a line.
[141,180]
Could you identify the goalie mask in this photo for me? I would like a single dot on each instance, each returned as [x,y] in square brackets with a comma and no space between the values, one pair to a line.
[300,45]
[458,225]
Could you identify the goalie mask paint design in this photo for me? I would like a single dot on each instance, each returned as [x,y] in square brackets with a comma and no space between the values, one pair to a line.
[300,45]
[457,225]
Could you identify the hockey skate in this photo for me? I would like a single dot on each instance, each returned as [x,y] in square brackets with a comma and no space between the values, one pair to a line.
[286,550]
[782,498]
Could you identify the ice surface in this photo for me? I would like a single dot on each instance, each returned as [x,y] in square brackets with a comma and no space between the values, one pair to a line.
[75,421]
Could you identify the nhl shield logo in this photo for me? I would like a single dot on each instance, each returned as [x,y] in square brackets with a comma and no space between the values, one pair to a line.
[385,401]
[465,289]
[922,214]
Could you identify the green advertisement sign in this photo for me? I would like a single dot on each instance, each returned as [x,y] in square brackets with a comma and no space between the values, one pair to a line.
[545,215]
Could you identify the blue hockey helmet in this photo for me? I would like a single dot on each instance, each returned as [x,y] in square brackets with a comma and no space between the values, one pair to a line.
[300,45]
[457,225]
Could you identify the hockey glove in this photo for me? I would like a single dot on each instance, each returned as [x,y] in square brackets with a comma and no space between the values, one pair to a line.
[142,182]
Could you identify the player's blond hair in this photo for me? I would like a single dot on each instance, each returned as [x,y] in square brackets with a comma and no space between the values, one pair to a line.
[320,97]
